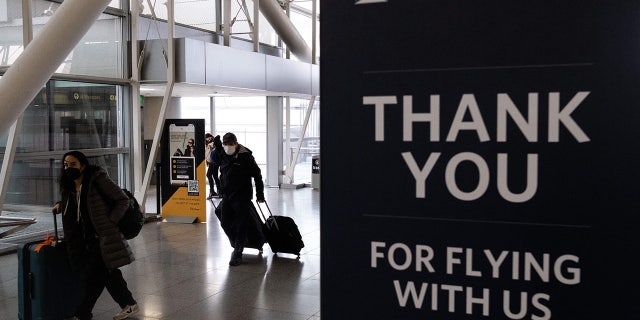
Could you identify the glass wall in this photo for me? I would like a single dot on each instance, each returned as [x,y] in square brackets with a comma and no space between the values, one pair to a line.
[202,14]
[310,145]
[199,14]
[68,115]
[99,52]
[197,108]
[246,117]
[64,116]
[10,32]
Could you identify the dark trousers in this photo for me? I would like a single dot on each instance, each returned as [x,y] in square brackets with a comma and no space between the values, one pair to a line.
[234,219]
[213,177]
[99,277]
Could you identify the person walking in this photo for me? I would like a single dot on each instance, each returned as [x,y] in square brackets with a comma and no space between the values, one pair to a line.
[210,158]
[91,206]
[237,168]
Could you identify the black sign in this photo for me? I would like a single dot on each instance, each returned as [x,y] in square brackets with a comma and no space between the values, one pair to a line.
[482,158]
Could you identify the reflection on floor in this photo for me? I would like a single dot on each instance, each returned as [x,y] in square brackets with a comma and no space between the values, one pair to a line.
[181,271]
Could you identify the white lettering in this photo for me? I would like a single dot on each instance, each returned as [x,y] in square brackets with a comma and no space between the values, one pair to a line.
[451,260]
[506,305]
[574,272]
[483,301]
[379,102]
[392,256]
[420,175]
[375,255]
[483,173]
[556,116]
[546,312]
[433,118]
[529,129]
[410,292]
[468,102]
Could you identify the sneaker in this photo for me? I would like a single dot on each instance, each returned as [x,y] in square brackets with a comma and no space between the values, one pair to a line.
[126,312]
[236,259]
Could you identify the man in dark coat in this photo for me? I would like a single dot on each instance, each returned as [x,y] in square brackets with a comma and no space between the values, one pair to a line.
[237,168]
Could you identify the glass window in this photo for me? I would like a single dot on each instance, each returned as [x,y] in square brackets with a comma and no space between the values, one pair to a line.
[10,32]
[310,141]
[84,115]
[199,13]
[303,24]
[99,53]
[196,108]
[116,4]
[246,117]
[64,116]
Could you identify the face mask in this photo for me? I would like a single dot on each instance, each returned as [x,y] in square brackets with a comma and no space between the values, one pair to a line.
[229,149]
[71,174]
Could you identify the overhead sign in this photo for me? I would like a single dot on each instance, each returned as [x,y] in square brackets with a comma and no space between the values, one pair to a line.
[478,159]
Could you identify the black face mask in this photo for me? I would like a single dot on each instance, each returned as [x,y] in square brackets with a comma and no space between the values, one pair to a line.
[71,174]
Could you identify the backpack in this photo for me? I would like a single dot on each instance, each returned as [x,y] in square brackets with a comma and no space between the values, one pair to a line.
[133,219]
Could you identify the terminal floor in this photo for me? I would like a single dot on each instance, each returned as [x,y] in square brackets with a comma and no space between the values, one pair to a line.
[181,271]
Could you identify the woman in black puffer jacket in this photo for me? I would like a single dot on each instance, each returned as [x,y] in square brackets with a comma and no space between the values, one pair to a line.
[91,206]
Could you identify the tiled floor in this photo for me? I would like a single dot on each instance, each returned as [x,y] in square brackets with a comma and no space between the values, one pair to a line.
[181,271]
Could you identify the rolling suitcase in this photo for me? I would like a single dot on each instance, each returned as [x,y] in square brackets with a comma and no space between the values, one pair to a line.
[282,233]
[47,288]
[255,236]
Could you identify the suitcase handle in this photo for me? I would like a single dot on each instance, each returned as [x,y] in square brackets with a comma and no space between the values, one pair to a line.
[56,239]
[270,214]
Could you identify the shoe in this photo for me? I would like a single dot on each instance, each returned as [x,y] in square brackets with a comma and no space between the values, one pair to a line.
[236,259]
[126,312]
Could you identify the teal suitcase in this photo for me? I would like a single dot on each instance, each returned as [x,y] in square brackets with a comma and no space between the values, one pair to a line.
[47,288]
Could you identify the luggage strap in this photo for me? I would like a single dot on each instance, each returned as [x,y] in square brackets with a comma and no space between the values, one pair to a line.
[47,241]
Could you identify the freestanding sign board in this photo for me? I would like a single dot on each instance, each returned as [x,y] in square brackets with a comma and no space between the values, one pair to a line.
[480,159]
[183,181]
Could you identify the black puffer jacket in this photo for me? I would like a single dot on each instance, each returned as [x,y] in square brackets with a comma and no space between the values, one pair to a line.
[235,176]
[106,204]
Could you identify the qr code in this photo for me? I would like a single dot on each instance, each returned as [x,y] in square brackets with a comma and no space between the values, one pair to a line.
[192,186]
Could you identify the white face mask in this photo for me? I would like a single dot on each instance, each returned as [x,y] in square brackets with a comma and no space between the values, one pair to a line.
[229,149]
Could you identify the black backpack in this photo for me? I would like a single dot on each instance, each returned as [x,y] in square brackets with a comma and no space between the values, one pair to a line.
[133,219]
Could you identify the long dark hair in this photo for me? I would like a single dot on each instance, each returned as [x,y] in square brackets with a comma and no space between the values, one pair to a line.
[83,161]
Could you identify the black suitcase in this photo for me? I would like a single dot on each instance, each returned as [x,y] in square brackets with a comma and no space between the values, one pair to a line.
[282,233]
[255,236]
[47,288]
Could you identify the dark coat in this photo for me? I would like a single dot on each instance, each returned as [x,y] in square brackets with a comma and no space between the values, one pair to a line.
[106,205]
[235,176]
[219,151]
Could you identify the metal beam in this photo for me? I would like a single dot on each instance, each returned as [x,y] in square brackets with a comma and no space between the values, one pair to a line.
[141,193]
[286,30]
